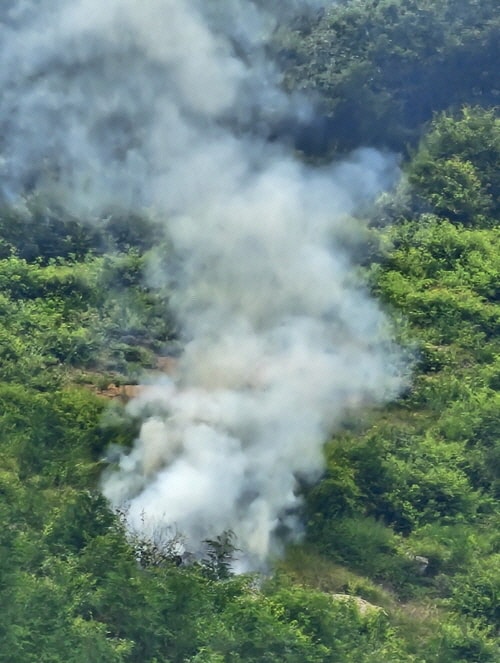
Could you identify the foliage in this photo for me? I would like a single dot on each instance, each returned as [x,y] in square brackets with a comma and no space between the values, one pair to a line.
[219,556]
[97,312]
[381,68]
[455,170]
[409,496]
[39,229]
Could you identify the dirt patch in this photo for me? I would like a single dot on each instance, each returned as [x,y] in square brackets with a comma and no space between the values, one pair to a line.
[125,392]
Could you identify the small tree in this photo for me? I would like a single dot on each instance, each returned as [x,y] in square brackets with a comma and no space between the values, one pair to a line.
[456,167]
[219,555]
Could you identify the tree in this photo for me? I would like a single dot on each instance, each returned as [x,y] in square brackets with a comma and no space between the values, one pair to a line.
[455,170]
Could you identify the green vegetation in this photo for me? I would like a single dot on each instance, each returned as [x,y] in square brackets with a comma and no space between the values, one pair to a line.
[381,68]
[401,557]
[418,482]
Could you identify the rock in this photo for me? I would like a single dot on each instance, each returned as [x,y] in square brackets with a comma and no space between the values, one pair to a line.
[364,607]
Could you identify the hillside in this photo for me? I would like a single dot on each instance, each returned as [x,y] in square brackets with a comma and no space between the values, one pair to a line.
[391,552]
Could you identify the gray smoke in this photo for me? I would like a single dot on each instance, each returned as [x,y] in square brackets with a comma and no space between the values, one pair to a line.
[166,104]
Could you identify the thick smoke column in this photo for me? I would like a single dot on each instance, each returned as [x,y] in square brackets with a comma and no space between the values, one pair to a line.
[165,104]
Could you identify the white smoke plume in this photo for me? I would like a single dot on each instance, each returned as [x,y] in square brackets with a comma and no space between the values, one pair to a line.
[165,104]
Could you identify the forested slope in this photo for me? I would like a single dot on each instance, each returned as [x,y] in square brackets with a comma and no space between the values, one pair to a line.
[381,68]
[406,515]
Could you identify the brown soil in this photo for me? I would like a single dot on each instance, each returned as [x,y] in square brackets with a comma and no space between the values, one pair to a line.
[125,392]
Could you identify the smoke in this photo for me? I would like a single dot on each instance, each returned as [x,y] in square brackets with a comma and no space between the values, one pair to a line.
[99,99]
[167,105]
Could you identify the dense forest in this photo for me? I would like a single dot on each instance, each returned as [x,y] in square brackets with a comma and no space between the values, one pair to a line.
[399,557]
